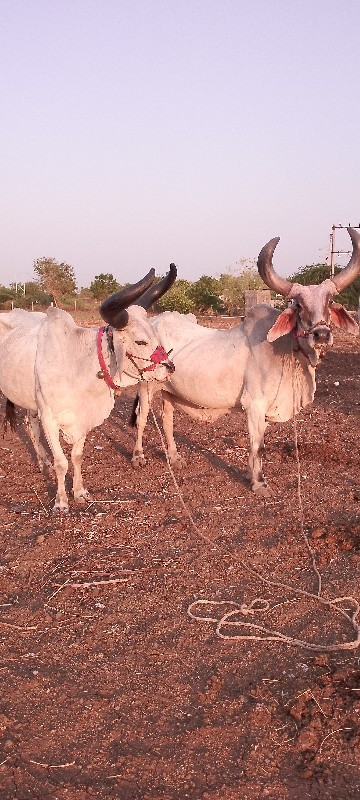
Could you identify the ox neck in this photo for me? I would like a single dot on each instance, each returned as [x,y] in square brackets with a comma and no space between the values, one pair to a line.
[104,372]
[310,355]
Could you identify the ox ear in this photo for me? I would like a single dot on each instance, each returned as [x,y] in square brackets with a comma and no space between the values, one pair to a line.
[342,319]
[284,324]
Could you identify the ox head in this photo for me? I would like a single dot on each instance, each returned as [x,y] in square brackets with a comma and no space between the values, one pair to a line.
[312,309]
[137,349]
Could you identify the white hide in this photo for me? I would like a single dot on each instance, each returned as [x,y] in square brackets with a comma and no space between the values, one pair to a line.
[49,366]
[218,371]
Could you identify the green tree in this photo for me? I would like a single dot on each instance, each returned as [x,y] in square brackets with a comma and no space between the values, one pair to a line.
[315,273]
[57,279]
[311,274]
[6,296]
[33,294]
[177,298]
[205,294]
[233,286]
[231,292]
[104,285]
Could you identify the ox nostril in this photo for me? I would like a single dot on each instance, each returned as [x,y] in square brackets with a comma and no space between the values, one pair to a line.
[321,335]
[170,366]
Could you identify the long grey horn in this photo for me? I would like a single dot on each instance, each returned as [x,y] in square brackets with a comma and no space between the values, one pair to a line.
[267,272]
[113,309]
[158,289]
[349,273]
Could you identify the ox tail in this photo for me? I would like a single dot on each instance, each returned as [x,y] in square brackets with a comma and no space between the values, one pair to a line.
[134,412]
[10,416]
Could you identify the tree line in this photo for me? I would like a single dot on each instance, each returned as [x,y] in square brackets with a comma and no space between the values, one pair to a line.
[55,282]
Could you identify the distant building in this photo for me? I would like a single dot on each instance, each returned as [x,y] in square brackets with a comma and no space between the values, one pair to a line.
[253,297]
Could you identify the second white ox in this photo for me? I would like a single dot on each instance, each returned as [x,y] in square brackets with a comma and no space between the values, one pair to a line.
[265,365]
[51,367]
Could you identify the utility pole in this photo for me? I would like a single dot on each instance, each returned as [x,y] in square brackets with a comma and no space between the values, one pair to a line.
[334,252]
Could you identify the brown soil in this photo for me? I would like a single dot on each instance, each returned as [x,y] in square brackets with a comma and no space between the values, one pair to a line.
[109,689]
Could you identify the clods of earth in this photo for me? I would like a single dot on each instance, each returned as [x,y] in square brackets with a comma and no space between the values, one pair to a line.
[120,679]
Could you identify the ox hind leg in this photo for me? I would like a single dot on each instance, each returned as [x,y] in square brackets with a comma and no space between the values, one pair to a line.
[257,426]
[10,416]
[32,423]
[51,430]
[81,495]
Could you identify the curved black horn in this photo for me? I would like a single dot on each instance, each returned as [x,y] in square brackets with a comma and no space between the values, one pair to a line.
[157,290]
[267,272]
[349,273]
[113,309]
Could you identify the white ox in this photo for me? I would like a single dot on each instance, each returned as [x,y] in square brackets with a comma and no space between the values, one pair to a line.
[51,367]
[265,365]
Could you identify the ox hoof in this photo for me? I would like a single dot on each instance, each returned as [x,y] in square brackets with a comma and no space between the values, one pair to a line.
[84,497]
[60,509]
[138,461]
[262,491]
[177,461]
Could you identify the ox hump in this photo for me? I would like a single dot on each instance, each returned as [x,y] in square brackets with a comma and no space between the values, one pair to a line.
[19,317]
[59,315]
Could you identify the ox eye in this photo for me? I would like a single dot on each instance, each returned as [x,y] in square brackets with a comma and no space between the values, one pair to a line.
[140,341]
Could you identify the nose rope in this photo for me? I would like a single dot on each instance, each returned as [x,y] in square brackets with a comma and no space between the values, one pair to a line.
[157,357]
[302,333]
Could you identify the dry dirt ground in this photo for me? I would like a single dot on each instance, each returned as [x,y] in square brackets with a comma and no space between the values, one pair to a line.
[110,689]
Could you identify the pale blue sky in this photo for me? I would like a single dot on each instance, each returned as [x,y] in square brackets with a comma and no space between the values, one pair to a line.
[135,133]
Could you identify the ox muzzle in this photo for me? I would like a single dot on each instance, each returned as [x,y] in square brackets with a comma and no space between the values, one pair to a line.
[318,336]
[158,358]
[321,335]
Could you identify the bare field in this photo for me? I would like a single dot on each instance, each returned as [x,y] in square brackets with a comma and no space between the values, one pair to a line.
[109,688]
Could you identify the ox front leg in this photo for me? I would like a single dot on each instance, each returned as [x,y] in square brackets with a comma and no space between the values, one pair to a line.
[81,495]
[257,427]
[168,425]
[141,411]
[51,431]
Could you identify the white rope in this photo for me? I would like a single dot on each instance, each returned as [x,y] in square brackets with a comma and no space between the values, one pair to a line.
[187,512]
[301,507]
[231,618]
